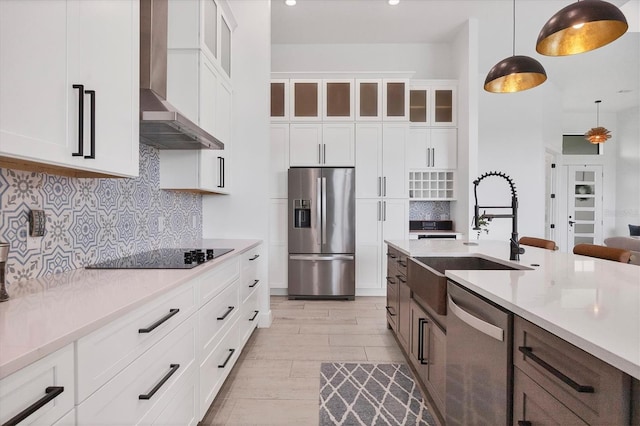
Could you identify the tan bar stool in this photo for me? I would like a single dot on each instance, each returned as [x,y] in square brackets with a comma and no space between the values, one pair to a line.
[603,252]
[538,242]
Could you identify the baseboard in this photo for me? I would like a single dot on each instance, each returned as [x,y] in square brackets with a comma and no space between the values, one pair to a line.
[279,291]
[265,319]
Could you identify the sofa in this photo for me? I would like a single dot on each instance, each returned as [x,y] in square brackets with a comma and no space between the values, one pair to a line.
[628,243]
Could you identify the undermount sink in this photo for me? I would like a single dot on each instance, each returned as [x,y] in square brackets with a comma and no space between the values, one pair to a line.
[466,263]
[425,276]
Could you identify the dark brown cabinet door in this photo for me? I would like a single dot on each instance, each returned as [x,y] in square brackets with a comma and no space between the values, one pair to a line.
[279,99]
[404,320]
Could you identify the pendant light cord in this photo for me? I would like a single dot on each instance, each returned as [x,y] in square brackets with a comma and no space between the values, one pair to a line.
[514,29]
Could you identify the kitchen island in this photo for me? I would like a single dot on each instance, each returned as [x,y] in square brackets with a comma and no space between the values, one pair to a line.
[592,304]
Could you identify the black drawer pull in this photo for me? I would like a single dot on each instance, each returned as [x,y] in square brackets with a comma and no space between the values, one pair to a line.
[403,264]
[400,279]
[388,308]
[153,326]
[51,392]
[231,308]
[80,152]
[421,323]
[224,364]
[92,95]
[255,314]
[528,352]
[390,280]
[255,257]
[255,283]
[524,423]
[393,256]
[174,368]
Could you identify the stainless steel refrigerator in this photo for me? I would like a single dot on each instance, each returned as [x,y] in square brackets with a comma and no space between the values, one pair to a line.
[322,237]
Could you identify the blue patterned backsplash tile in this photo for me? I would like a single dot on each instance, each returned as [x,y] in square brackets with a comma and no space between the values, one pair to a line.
[429,210]
[92,220]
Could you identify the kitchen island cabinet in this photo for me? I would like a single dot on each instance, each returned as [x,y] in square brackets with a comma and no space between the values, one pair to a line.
[148,346]
[558,301]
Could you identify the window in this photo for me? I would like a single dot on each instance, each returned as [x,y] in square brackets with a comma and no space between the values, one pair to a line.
[578,145]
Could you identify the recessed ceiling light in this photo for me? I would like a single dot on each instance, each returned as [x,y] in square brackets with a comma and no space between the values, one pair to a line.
[624,91]
[290,2]
[394,2]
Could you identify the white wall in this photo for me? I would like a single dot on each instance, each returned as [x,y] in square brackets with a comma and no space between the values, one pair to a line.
[627,209]
[243,214]
[429,61]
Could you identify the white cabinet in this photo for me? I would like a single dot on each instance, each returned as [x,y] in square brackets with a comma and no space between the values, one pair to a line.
[377,220]
[280,100]
[278,243]
[279,160]
[97,120]
[305,99]
[338,102]
[322,145]
[49,381]
[395,99]
[193,170]
[368,99]
[433,103]
[431,148]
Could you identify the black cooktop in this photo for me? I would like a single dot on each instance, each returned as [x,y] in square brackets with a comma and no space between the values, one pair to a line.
[168,258]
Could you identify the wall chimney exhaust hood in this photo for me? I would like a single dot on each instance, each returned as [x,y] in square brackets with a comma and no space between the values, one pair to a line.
[162,125]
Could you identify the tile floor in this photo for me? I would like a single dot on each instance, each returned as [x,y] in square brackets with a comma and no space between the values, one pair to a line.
[277,377]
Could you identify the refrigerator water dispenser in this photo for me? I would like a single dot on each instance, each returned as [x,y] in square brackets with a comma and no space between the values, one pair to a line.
[302,213]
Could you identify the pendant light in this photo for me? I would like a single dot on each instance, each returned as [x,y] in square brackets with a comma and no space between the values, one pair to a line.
[597,134]
[515,73]
[580,27]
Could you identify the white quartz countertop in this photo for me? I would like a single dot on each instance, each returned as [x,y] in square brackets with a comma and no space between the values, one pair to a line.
[75,303]
[592,303]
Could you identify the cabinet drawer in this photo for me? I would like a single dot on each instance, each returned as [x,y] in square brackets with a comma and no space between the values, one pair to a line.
[25,388]
[560,368]
[249,275]
[392,302]
[126,398]
[106,351]
[68,420]
[216,366]
[215,281]
[531,403]
[179,406]
[216,316]
[249,317]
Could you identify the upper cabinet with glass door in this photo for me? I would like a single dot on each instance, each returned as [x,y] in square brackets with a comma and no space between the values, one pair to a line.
[338,102]
[368,99]
[395,99]
[280,99]
[305,99]
[206,25]
[432,104]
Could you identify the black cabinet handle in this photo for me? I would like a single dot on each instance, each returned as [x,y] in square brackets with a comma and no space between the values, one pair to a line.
[223,172]
[390,280]
[528,352]
[388,308]
[403,264]
[400,279]
[224,364]
[220,172]
[393,256]
[92,96]
[50,393]
[80,152]
[524,423]
[255,283]
[421,323]
[153,326]
[231,308]
[255,257]
[173,369]
[255,314]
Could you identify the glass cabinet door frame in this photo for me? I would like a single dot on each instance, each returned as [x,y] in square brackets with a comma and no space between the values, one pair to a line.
[434,107]
[378,115]
[285,82]
[292,100]
[385,98]
[325,91]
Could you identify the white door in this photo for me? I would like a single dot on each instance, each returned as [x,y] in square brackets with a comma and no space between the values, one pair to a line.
[368,160]
[584,209]
[279,160]
[368,243]
[444,148]
[109,65]
[395,219]
[338,145]
[305,144]
[418,148]
[395,181]
[38,66]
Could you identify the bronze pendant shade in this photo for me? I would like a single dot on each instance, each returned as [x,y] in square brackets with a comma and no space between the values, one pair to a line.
[597,134]
[515,74]
[580,27]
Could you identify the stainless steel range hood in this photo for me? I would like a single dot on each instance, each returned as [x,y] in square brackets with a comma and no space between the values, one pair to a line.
[162,125]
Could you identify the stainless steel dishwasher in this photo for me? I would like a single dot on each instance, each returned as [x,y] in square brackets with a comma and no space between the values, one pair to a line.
[479,360]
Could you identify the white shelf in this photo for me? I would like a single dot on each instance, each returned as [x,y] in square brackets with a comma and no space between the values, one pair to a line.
[431,185]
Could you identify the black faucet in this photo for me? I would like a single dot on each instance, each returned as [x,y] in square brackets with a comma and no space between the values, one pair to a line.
[515,251]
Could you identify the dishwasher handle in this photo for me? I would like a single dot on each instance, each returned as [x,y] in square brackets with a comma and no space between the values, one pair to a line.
[480,325]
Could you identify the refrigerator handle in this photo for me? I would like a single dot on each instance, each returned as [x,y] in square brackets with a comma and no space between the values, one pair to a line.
[324,210]
[319,206]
